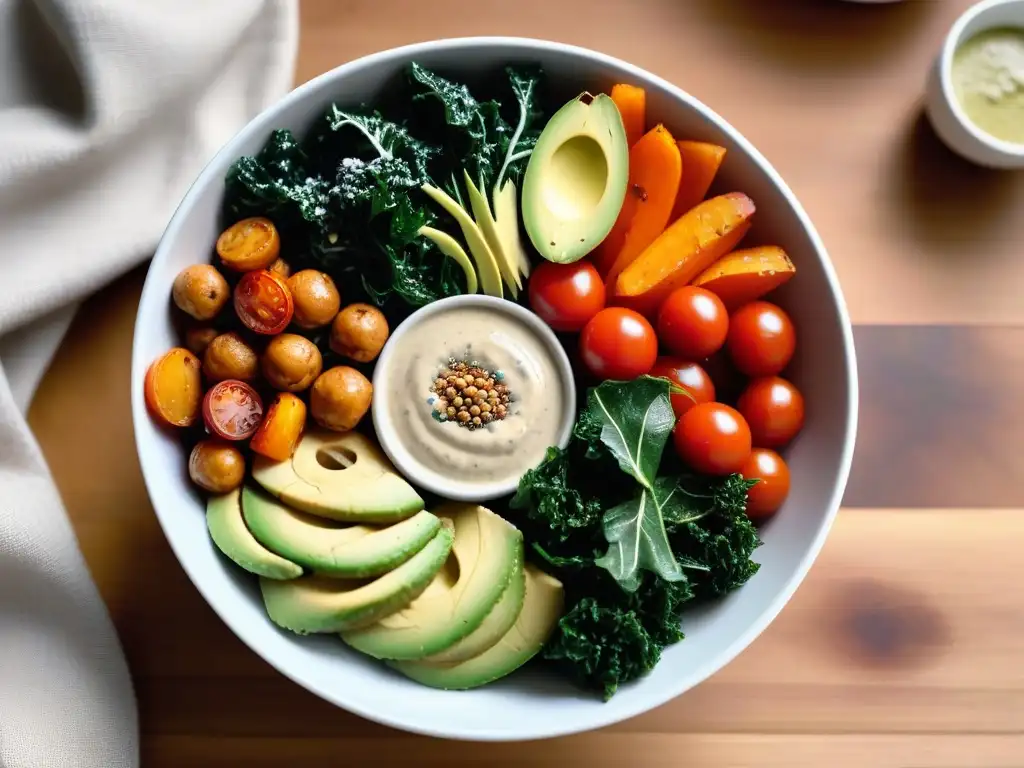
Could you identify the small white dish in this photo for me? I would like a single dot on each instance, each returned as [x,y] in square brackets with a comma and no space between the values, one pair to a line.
[948,118]
[445,458]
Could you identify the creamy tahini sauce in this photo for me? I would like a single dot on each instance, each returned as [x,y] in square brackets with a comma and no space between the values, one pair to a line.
[494,340]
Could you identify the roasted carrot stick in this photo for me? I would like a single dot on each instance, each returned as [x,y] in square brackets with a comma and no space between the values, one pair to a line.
[632,103]
[701,162]
[655,168]
[689,246]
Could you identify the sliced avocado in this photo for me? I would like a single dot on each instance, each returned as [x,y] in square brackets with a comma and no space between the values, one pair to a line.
[542,608]
[482,213]
[322,604]
[342,476]
[493,628]
[576,179]
[450,247]
[228,531]
[506,216]
[486,554]
[486,263]
[331,548]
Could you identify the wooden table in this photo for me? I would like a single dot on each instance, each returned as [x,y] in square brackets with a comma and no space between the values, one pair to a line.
[905,646]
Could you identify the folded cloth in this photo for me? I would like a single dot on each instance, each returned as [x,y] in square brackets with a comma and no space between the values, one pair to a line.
[108,110]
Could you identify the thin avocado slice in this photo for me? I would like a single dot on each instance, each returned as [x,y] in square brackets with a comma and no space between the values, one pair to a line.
[358,484]
[487,553]
[486,264]
[498,622]
[484,220]
[322,604]
[542,608]
[330,548]
[506,216]
[450,247]
[228,531]
[576,179]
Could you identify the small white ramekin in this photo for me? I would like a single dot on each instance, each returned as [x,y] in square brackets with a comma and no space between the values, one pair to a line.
[944,111]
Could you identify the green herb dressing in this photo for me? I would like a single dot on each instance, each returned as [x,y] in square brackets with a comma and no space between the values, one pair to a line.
[988,79]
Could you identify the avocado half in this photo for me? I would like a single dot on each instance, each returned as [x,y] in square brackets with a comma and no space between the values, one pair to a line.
[542,608]
[341,476]
[576,179]
[322,604]
[488,552]
[229,532]
[331,548]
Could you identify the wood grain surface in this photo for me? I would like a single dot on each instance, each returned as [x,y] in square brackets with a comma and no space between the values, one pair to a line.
[904,647]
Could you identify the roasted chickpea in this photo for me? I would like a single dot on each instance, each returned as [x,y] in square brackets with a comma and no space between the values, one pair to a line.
[340,398]
[281,267]
[200,291]
[198,338]
[316,298]
[291,362]
[229,357]
[359,332]
[216,466]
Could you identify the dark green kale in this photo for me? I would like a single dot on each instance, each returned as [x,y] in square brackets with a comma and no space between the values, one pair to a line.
[723,539]
[490,146]
[614,632]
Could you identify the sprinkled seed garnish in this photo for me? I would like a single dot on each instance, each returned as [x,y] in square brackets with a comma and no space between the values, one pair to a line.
[469,394]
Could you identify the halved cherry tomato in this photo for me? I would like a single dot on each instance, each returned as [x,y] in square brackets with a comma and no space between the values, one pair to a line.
[281,428]
[693,322]
[232,410]
[772,488]
[249,244]
[713,438]
[761,339]
[688,376]
[173,387]
[774,409]
[618,344]
[263,302]
[566,296]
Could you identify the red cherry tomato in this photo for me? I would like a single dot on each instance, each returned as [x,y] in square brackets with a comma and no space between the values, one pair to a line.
[688,376]
[713,438]
[263,302]
[772,488]
[693,322]
[618,344]
[566,296]
[761,339]
[232,410]
[774,409]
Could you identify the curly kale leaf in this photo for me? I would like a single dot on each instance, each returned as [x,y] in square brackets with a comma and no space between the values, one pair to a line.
[551,499]
[473,129]
[517,145]
[717,534]
[278,183]
[601,646]
[610,637]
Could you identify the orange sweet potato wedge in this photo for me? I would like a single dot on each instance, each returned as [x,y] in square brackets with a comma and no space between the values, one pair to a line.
[742,276]
[655,168]
[701,162]
[693,243]
[632,103]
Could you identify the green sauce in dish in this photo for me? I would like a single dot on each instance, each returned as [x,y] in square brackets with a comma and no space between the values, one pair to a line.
[988,79]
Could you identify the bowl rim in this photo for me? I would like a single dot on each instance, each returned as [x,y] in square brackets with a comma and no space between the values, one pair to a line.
[387,436]
[154,292]
[951,43]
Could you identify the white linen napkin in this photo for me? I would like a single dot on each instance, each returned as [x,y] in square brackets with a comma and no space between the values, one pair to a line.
[108,111]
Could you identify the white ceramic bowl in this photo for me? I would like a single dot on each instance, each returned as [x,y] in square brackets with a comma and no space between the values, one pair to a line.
[529,704]
[944,111]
